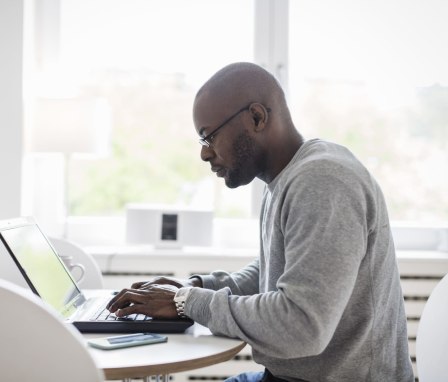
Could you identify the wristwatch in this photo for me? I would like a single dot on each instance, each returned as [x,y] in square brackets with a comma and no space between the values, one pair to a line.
[179,300]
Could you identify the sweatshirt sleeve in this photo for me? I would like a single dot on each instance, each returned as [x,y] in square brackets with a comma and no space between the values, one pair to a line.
[243,282]
[322,235]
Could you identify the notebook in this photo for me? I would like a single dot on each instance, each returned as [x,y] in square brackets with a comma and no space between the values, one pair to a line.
[48,277]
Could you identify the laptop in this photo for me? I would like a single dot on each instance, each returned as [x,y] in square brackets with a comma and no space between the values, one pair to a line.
[47,276]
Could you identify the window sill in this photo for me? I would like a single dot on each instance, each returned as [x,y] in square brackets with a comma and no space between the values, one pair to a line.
[243,233]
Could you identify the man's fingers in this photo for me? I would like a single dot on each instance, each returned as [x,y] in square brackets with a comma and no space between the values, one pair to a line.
[156,281]
[138,285]
[128,310]
[116,298]
[162,280]
[125,298]
[155,301]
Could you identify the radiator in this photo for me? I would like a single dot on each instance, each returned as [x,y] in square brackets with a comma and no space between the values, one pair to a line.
[419,274]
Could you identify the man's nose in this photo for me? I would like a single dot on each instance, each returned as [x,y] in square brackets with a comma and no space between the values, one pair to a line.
[207,153]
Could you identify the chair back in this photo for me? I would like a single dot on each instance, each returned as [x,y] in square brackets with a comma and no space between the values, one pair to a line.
[432,336]
[93,279]
[37,345]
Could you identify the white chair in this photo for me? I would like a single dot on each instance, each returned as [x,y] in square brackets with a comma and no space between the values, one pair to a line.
[93,279]
[36,345]
[432,336]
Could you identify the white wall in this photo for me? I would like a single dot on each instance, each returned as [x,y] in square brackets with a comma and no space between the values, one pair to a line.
[11,118]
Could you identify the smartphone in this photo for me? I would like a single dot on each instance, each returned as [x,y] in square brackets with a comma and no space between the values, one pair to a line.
[127,340]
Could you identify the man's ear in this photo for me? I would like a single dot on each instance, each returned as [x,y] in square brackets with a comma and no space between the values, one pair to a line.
[259,116]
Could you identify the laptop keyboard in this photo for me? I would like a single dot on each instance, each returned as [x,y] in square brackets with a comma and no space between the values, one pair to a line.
[104,315]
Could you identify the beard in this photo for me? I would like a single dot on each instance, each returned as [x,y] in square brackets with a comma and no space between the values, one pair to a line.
[243,169]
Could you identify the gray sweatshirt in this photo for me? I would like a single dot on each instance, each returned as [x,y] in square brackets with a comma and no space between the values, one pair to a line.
[323,301]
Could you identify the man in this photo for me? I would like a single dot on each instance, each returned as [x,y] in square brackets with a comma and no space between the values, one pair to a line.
[323,301]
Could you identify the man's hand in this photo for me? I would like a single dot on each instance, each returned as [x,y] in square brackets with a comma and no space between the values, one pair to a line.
[161,280]
[154,300]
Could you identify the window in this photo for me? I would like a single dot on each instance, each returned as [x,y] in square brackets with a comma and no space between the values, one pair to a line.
[147,59]
[372,75]
[368,75]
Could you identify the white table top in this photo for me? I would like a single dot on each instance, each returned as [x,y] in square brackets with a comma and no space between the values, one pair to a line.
[194,349]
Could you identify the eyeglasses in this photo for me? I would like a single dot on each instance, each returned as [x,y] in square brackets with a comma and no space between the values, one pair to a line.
[207,140]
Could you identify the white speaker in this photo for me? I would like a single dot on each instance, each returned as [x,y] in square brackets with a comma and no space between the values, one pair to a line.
[168,226]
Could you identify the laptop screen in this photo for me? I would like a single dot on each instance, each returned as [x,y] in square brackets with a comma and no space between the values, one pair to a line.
[42,267]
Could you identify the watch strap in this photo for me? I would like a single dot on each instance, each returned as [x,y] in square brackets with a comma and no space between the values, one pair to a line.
[179,300]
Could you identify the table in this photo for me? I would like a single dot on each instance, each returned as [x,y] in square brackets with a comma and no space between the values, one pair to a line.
[194,349]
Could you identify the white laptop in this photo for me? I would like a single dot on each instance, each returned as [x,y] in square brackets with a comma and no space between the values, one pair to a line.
[48,277]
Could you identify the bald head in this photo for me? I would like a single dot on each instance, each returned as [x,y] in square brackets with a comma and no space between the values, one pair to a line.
[239,84]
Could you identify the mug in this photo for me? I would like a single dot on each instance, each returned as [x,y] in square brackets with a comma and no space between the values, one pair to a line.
[74,268]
